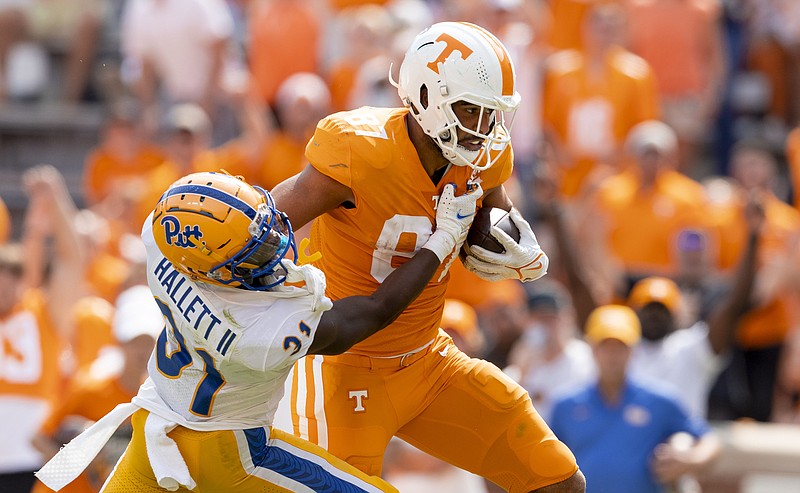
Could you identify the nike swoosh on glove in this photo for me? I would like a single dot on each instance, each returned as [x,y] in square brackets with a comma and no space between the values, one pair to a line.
[524,261]
[454,216]
[315,283]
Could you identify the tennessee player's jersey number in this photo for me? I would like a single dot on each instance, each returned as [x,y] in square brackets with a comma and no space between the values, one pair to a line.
[401,236]
[172,365]
[367,125]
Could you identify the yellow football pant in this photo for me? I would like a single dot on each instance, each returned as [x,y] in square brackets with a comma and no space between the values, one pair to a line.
[258,460]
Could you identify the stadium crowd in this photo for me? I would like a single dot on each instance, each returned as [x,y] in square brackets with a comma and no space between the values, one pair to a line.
[657,157]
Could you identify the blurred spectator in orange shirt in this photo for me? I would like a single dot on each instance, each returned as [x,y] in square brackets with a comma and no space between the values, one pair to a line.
[638,215]
[302,101]
[113,379]
[284,40]
[92,316]
[568,19]
[460,321]
[5,223]
[71,25]
[763,330]
[343,4]
[689,62]
[37,291]
[121,157]
[592,98]
[365,32]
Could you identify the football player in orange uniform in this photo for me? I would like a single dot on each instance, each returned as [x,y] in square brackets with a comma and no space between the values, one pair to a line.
[373,184]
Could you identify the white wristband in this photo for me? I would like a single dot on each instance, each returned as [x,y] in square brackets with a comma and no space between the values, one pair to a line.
[441,243]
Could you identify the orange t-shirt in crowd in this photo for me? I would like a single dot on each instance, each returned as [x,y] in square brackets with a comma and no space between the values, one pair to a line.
[31,378]
[768,324]
[104,170]
[92,316]
[5,223]
[643,226]
[679,56]
[31,349]
[793,155]
[91,397]
[284,40]
[568,16]
[369,151]
[341,79]
[591,114]
[343,4]
[282,158]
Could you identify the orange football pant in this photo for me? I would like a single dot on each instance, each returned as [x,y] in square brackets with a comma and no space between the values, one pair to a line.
[462,410]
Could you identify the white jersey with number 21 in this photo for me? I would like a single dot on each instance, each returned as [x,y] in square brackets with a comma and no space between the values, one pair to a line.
[224,354]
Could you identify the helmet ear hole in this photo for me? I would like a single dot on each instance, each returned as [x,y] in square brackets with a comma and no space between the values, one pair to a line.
[423,96]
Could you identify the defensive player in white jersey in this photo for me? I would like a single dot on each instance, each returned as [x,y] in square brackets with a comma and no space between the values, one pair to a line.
[237,318]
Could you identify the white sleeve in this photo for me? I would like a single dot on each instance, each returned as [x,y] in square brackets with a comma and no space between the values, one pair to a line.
[277,341]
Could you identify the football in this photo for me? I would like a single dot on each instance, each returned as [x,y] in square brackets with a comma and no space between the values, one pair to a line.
[480,233]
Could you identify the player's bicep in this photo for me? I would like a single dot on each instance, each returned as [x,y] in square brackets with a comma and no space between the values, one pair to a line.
[309,194]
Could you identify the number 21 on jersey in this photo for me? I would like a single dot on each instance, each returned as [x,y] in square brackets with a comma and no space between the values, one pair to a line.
[173,364]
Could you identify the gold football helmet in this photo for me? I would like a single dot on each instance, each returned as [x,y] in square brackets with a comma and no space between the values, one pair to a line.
[220,229]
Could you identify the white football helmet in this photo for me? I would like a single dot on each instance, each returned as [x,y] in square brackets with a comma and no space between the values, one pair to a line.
[458,61]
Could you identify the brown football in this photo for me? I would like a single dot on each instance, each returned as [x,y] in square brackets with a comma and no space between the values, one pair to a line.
[480,233]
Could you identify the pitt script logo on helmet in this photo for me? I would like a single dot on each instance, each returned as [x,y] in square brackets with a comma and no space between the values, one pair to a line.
[218,228]
[458,61]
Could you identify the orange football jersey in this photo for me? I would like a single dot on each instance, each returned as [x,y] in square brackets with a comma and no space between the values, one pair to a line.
[369,151]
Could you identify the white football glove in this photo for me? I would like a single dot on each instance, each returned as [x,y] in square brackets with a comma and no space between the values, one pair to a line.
[524,260]
[315,283]
[454,216]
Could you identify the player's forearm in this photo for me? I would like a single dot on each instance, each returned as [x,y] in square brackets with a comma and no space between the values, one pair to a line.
[355,318]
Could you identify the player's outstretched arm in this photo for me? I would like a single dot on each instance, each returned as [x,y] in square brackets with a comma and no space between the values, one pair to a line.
[355,318]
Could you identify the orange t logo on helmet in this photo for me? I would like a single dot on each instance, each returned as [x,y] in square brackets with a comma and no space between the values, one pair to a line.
[451,45]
